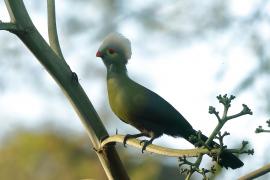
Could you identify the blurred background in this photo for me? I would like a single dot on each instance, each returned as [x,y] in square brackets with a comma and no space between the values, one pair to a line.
[187,51]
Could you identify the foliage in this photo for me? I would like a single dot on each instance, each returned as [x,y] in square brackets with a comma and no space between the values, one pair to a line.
[41,155]
[47,155]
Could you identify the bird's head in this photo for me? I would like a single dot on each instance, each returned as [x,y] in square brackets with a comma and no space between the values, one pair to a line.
[115,49]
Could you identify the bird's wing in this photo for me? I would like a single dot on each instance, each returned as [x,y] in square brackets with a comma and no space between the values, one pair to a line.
[155,112]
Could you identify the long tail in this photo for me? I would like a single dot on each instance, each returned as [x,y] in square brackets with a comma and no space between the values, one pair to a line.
[226,159]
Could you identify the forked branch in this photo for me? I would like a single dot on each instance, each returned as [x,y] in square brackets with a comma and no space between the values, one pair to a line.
[226,102]
[50,57]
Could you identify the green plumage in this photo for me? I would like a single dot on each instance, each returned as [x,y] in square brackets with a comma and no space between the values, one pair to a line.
[142,108]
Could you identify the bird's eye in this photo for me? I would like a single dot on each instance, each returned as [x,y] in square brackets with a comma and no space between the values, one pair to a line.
[111,51]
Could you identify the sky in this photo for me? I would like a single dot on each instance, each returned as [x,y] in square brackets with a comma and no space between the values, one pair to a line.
[184,77]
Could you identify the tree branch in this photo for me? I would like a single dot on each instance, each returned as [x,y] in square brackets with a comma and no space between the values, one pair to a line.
[52,29]
[8,26]
[154,148]
[257,173]
[226,101]
[167,151]
[68,82]
[260,129]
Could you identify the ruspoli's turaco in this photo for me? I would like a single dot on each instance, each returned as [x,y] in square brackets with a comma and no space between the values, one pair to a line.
[142,108]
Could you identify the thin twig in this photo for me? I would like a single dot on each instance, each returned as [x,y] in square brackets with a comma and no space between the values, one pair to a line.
[260,129]
[226,101]
[257,173]
[52,29]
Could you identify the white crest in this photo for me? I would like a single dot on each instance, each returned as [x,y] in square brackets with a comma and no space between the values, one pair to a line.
[118,41]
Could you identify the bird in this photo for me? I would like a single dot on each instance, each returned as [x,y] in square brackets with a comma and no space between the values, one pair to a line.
[142,108]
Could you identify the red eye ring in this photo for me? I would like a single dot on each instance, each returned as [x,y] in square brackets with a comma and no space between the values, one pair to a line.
[111,51]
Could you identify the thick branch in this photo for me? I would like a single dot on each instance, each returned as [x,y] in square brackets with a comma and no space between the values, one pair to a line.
[68,82]
[52,29]
[257,173]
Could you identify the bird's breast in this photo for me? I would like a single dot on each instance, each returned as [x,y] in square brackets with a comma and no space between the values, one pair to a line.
[119,99]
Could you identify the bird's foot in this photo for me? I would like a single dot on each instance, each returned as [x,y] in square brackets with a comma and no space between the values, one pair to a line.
[129,136]
[145,144]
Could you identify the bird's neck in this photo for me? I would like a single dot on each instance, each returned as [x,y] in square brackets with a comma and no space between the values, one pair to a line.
[117,81]
[116,71]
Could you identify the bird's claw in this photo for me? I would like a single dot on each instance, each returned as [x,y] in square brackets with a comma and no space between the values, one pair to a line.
[143,141]
[128,136]
[125,139]
[145,144]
